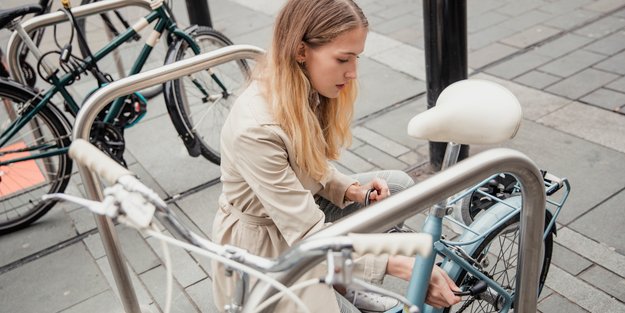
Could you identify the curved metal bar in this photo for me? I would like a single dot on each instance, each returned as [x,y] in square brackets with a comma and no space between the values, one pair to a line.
[407,203]
[126,86]
[58,17]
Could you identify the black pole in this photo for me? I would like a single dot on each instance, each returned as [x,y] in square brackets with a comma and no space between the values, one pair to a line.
[445,34]
[199,13]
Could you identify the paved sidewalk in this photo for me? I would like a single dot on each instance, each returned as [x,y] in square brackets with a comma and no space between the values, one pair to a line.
[565,61]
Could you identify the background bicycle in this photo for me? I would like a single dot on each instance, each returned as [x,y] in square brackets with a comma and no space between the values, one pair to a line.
[556,132]
[35,135]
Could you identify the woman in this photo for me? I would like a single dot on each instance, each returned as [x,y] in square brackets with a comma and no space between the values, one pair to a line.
[276,144]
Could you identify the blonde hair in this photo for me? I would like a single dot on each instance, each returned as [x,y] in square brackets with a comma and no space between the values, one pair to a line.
[317,131]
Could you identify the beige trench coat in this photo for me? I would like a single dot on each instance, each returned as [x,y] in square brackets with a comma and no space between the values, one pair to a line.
[267,202]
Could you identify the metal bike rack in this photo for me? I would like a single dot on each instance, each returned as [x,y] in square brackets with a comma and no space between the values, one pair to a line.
[383,215]
[375,218]
[57,18]
[87,115]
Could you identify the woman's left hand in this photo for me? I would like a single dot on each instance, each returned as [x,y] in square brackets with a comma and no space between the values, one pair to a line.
[358,192]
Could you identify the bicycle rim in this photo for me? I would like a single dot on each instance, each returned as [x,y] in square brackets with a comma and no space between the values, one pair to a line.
[500,251]
[201,101]
[23,183]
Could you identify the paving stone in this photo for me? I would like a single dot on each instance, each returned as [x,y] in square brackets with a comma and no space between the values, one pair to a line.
[376,140]
[269,7]
[157,146]
[612,209]
[518,65]
[605,6]
[489,54]
[515,8]
[592,250]
[54,227]
[530,36]
[537,79]
[201,207]
[94,245]
[260,37]
[354,163]
[136,250]
[618,85]
[609,45]
[582,293]
[379,158]
[563,6]
[614,64]
[582,83]
[606,281]
[377,43]
[202,295]
[393,25]
[413,159]
[58,281]
[342,168]
[602,27]
[563,45]
[105,302]
[399,120]
[488,19]
[526,20]
[409,36]
[590,123]
[487,36]
[155,281]
[185,269]
[396,11]
[605,98]
[557,303]
[479,7]
[571,63]
[568,260]
[83,220]
[535,104]
[404,58]
[573,19]
[583,163]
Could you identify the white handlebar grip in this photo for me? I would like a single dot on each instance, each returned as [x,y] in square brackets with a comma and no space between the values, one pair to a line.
[408,244]
[96,161]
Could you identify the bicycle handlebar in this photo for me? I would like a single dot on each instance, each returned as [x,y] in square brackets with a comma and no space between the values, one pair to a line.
[96,161]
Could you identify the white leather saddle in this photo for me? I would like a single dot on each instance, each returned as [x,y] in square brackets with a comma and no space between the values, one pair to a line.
[469,112]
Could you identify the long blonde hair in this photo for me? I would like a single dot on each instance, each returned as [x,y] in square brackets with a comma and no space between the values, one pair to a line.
[318,131]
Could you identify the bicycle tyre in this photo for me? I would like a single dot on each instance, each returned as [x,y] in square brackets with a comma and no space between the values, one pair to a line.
[506,277]
[500,187]
[23,183]
[192,110]
[122,69]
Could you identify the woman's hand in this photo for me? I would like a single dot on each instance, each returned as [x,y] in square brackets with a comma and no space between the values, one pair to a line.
[440,288]
[357,192]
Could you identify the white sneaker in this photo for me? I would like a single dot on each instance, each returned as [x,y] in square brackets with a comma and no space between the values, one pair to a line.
[369,302]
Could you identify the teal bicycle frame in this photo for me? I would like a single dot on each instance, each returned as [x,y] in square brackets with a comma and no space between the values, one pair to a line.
[453,263]
[163,21]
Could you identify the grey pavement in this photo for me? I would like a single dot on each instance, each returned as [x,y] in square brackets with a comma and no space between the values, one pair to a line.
[563,59]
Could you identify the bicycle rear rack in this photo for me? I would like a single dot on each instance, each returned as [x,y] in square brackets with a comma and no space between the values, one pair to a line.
[375,218]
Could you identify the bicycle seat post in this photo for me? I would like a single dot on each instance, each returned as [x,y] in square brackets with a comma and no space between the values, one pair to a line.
[17,27]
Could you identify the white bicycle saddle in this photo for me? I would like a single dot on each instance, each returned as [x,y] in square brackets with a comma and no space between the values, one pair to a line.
[470,112]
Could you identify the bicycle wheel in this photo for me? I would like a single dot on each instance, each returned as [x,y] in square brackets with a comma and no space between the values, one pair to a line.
[200,101]
[23,183]
[498,254]
[100,29]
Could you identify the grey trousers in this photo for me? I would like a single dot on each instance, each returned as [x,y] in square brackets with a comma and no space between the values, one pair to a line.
[396,180]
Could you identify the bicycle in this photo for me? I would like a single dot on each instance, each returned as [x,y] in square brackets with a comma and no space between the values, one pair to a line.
[110,24]
[468,260]
[35,134]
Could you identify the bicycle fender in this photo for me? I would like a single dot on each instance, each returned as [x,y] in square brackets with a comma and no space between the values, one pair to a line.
[188,138]
[483,223]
